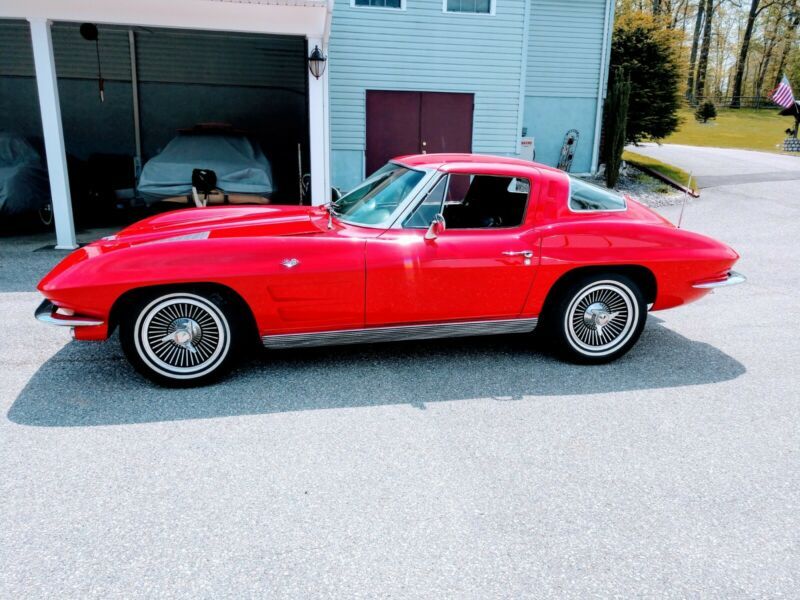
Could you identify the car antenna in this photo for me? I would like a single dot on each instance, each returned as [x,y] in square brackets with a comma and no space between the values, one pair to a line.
[685,199]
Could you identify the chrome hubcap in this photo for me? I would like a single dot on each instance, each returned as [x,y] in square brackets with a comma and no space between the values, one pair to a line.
[601,318]
[598,315]
[184,332]
[183,335]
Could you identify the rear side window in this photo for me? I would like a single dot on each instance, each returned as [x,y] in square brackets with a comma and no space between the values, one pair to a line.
[587,196]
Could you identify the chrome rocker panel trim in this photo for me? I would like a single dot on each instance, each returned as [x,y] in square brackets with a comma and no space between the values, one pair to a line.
[399,333]
[48,313]
[733,278]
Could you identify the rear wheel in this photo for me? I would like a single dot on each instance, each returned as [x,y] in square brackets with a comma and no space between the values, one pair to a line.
[181,339]
[45,215]
[597,318]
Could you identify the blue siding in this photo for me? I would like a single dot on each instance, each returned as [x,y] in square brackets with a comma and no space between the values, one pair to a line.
[424,49]
[565,58]
[565,48]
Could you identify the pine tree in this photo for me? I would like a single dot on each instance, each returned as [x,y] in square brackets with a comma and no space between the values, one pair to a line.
[648,53]
[706,111]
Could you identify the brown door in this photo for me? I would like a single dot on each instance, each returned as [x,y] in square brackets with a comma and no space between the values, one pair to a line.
[412,122]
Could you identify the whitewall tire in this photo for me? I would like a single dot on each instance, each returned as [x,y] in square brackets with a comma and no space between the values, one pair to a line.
[597,318]
[181,338]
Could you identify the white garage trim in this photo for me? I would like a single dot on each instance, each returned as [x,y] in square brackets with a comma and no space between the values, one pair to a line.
[53,132]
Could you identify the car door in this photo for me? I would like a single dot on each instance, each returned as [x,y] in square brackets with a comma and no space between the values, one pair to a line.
[478,269]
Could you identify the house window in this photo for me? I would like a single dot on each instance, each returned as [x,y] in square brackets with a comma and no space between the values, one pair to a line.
[469,6]
[379,3]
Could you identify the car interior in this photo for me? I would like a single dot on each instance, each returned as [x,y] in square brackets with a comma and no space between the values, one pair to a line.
[474,202]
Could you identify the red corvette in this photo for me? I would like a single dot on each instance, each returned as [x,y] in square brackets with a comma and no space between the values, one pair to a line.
[428,246]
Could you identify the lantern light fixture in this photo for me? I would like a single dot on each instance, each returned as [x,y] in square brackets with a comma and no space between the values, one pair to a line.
[316,62]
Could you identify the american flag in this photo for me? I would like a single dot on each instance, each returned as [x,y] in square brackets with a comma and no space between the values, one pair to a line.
[782,95]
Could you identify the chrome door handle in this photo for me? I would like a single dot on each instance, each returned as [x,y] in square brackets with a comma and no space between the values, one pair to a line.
[525,253]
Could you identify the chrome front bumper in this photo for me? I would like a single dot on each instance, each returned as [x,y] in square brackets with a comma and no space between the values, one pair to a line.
[733,278]
[49,313]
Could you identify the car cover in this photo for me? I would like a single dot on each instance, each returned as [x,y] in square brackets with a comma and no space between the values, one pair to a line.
[239,163]
[24,185]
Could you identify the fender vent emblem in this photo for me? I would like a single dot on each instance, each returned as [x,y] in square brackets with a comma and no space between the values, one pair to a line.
[290,262]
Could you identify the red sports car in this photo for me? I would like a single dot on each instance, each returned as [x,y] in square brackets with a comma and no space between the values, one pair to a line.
[429,246]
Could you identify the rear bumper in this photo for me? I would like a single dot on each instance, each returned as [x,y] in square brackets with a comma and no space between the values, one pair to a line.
[49,313]
[732,278]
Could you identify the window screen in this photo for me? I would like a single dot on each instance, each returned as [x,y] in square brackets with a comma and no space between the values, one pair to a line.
[379,3]
[586,196]
[469,6]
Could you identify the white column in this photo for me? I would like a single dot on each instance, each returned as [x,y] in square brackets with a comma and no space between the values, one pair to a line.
[318,135]
[53,132]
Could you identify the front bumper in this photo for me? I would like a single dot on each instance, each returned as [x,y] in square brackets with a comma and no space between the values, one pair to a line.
[732,278]
[49,313]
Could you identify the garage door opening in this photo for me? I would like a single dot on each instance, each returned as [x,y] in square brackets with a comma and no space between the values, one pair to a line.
[143,107]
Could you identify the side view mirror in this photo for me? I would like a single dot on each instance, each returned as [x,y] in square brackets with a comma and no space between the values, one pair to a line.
[436,228]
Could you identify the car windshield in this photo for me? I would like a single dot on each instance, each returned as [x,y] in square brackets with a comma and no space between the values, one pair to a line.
[376,200]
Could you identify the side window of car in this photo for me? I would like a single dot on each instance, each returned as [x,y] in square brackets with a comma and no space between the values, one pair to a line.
[430,206]
[584,196]
[485,201]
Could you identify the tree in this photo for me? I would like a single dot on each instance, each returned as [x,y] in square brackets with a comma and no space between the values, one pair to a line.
[702,63]
[648,54]
[616,117]
[698,26]
[706,111]
[755,9]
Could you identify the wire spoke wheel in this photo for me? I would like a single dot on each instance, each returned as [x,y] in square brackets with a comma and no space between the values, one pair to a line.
[601,318]
[182,336]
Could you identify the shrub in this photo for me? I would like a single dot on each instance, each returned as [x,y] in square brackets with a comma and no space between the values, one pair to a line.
[706,111]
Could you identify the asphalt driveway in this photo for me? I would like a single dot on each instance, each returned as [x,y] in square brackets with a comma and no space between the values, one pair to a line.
[471,468]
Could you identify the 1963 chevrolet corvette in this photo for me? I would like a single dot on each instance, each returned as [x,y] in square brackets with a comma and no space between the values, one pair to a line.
[429,246]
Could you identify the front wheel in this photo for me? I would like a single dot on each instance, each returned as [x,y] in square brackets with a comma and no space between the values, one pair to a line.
[597,318]
[181,339]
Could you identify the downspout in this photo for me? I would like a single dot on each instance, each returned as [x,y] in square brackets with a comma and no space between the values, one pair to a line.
[326,34]
[523,76]
[603,83]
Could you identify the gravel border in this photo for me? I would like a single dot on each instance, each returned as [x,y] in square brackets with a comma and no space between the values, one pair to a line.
[647,190]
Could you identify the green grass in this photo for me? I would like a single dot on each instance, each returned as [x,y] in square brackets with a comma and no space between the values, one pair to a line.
[670,171]
[749,129]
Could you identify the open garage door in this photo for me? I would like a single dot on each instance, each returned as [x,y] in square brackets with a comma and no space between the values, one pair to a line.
[256,84]
[158,85]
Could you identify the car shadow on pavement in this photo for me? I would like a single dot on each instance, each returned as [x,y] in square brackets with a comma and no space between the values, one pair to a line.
[92,384]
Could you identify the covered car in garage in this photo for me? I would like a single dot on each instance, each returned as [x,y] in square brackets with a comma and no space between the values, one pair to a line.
[237,161]
[24,187]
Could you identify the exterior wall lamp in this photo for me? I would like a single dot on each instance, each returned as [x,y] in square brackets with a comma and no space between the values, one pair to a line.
[316,62]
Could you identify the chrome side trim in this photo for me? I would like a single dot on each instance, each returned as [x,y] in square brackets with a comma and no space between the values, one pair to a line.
[399,333]
[48,313]
[733,278]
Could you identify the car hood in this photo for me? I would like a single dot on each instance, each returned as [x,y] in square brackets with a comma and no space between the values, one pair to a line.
[224,221]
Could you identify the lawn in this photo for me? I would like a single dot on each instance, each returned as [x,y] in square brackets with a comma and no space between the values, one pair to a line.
[743,128]
[674,173]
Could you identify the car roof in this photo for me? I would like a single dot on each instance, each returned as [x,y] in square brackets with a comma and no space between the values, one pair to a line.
[485,161]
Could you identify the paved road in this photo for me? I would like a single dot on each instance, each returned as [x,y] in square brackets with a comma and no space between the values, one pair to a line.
[471,468]
[716,167]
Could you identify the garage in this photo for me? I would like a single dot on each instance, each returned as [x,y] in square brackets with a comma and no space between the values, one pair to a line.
[138,101]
